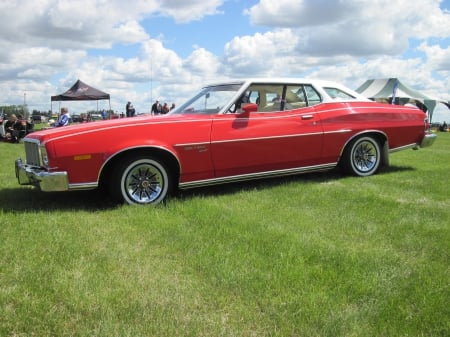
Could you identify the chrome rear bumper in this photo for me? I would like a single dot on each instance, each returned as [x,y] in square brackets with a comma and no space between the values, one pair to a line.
[41,178]
[428,140]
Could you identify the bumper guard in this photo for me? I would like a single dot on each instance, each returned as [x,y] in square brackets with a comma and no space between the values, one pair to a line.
[41,178]
[428,139]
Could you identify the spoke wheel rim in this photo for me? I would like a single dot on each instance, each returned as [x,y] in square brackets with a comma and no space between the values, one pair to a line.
[365,156]
[144,183]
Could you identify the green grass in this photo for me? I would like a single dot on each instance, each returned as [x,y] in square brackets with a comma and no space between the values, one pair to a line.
[312,255]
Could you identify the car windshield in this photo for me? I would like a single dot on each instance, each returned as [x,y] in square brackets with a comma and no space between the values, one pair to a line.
[210,100]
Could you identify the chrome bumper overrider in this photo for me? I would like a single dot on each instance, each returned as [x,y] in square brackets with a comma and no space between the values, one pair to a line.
[39,177]
[428,140]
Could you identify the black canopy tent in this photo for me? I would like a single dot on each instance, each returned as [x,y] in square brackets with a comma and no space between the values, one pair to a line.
[80,91]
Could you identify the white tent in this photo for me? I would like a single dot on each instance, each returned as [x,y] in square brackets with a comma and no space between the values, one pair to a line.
[393,90]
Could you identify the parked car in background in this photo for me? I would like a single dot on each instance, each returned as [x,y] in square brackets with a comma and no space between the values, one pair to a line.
[227,132]
[75,118]
[95,117]
[36,118]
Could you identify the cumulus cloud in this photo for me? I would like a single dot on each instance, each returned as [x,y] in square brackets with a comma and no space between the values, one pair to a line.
[43,38]
[300,13]
[48,44]
[438,57]
[353,27]
[249,55]
[189,10]
[202,63]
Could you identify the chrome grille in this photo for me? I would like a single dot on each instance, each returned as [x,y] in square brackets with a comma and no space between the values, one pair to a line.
[32,153]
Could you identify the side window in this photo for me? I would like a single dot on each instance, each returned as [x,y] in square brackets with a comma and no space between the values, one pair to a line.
[336,93]
[267,96]
[295,97]
[273,98]
[280,97]
[312,95]
[253,97]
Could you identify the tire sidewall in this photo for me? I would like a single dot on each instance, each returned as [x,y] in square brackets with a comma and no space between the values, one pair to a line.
[351,165]
[124,171]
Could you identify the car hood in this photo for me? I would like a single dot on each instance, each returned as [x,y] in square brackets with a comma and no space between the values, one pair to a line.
[48,134]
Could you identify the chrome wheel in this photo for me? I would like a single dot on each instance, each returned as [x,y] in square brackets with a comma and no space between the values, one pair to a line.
[144,181]
[363,157]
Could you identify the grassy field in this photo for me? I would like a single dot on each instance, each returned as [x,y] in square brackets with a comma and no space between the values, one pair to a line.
[311,255]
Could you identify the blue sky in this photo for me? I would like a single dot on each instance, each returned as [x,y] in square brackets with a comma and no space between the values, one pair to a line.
[210,32]
[166,49]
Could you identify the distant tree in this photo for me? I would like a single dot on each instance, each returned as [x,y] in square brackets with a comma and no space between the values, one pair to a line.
[12,109]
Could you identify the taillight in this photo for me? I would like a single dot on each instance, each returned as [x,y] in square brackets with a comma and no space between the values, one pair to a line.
[427,124]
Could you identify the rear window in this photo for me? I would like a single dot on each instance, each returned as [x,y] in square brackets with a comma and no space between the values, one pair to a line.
[336,93]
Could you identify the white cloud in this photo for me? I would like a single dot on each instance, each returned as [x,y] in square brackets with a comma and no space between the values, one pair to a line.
[47,44]
[190,10]
[354,27]
[300,13]
[202,63]
[438,58]
[268,54]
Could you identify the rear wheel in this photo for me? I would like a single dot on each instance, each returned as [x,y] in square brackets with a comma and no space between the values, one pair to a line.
[141,180]
[362,156]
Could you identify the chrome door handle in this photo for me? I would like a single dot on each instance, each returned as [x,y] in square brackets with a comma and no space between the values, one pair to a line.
[307,117]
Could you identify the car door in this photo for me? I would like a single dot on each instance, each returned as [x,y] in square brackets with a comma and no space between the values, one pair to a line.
[255,142]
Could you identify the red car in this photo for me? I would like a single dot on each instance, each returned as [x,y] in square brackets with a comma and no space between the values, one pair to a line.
[228,132]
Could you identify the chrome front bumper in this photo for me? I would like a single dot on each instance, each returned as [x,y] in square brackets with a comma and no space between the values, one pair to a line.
[428,139]
[39,177]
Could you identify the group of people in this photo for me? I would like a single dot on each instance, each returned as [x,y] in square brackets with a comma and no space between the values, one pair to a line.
[161,109]
[157,109]
[17,128]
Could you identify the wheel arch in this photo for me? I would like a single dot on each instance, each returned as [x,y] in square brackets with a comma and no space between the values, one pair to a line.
[379,136]
[168,158]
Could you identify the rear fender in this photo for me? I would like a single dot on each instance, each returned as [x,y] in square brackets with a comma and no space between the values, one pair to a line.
[380,136]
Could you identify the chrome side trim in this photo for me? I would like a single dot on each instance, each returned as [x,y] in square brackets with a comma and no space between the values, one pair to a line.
[271,137]
[259,138]
[405,147]
[84,186]
[192,144]
[253,176]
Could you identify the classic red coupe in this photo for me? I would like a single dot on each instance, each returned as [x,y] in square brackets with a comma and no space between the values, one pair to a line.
[230,131]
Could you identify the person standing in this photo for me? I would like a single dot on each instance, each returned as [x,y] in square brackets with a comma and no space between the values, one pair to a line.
[156,108]
[129,109]
[165,108]
[63,119]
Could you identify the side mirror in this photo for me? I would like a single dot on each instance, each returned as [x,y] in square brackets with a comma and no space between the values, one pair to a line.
[250,107]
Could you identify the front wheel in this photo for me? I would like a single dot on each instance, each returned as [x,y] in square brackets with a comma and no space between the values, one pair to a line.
[362,156]
[141,180]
